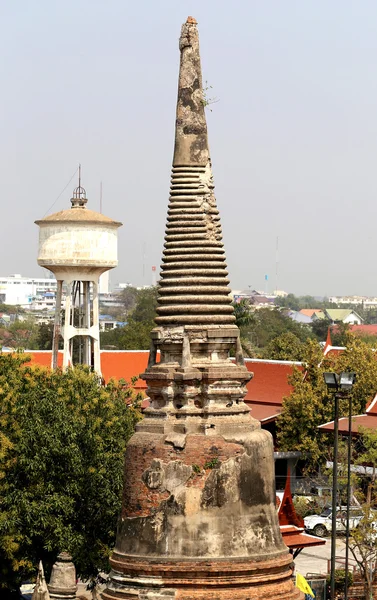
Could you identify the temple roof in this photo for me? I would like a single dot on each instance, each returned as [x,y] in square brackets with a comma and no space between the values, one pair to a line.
[292,525]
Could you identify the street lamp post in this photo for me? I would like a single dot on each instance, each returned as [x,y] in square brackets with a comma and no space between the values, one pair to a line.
[339,385]
[349,448]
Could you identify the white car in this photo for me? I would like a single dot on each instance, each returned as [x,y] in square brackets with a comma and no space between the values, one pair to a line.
[321,525]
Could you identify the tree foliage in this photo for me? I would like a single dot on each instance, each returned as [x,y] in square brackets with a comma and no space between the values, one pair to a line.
[286,346]
[62,439]
[363,541]
[309,405]
[136,334]
[20,334]
[265,324]
[299,302]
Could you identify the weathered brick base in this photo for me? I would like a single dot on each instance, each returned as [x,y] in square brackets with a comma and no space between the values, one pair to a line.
[209,580]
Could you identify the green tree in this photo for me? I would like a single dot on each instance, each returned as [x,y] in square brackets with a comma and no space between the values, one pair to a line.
[266,324]
[145,307]
[243,311]
[363,540]
[128,297]
[23,334]
[339,333]
[286,346]
[44,336]
[289,301]
[62,440]
[11,309]
[136,334]
[320,328]
[360,358]
[309,405]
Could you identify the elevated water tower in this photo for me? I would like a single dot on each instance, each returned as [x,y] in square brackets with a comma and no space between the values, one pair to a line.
[78,245]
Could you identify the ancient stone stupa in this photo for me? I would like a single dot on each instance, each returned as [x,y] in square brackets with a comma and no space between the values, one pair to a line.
[198,516]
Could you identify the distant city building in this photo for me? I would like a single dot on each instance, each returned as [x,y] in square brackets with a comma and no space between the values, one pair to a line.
[106,323]
[27,291]
[257,299]
[365,301]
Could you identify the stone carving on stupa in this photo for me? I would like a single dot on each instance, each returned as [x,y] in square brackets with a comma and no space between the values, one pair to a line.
[198,512]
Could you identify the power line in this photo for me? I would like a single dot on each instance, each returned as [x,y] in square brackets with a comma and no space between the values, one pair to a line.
[61,193]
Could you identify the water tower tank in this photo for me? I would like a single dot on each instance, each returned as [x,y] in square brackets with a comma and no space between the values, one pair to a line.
[78,245]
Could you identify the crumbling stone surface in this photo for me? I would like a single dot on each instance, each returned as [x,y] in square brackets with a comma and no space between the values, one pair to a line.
[225,485]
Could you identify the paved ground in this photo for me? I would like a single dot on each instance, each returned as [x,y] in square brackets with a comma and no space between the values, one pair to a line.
[315,560]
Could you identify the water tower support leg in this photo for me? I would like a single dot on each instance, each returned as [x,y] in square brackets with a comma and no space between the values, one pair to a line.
[97,358]
[57,325]
[86,307]
[67,322]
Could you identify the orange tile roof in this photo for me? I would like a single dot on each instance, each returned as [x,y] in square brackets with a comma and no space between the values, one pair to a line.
[265,413]
[118,364]
[43,357]
[366,329]
[309,312]
[125,364]
[270,382]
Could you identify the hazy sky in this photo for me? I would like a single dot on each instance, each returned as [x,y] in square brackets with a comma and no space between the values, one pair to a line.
[293,137]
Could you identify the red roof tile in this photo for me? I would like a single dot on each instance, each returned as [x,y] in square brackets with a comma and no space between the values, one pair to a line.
[265,413]
[366,329]
[291,524]
[367,420]
[270,382]
[298,539]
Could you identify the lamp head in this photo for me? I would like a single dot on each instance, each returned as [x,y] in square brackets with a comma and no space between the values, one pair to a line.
[331,380]
[346,380]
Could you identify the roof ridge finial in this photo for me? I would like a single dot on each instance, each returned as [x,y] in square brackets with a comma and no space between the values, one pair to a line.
[79,198]
[191,143]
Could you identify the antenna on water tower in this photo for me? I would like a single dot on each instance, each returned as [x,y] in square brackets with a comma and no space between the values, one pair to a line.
[276,264]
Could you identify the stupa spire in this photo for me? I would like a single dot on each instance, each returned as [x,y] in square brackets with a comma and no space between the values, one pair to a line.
[191,142]
[198,512]
[194,278]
